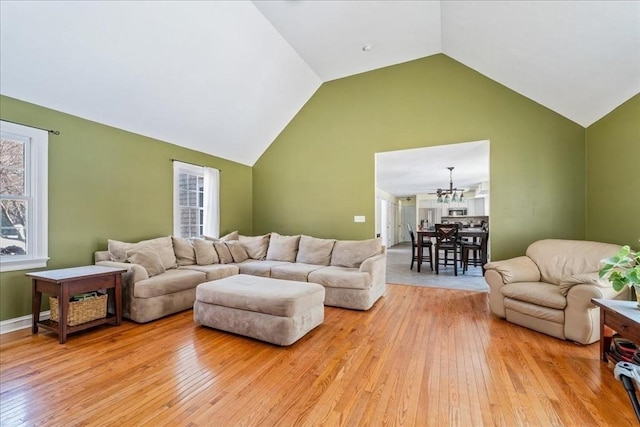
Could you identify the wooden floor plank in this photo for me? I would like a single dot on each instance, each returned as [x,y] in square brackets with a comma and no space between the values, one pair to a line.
[419,357]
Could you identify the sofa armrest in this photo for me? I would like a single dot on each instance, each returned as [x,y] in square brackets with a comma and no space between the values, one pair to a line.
[376,266]
[582,320]
[519,269]
[499,273]
[583,279]
[101,256]
[134,273]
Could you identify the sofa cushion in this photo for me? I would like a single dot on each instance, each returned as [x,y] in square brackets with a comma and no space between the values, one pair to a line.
[231,236]
[297,271]
[256,246]
[163,246]
[169,282]
[214,271]
[312,250]
[183,248]
[538,293]
[238,252]
[558,258]
[205,252]
[282,248]
[148,259]
[351,253]
[224,254]
[259,268]
[340,277]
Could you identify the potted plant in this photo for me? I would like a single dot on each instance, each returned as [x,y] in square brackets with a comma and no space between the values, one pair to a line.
[623,269]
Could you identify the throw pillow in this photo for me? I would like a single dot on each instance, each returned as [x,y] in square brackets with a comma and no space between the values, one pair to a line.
[183,248]
[238,253]
[231,236]
[315,251]
[205,252]
[282,248]
[147,258]
[223,252]
[256,246]
[161,245]
[351,253]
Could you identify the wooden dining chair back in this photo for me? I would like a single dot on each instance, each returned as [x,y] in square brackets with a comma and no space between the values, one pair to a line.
[447,241]
[478,248]
[427,254]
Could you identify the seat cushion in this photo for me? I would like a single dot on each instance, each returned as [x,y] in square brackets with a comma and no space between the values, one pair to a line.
[282,298]
[297,271]
[168,282]
[259,268]
[532,311]
[538,293]
[214,271]
[340,277]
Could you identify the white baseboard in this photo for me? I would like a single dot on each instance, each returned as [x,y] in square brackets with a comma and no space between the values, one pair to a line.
[18,323]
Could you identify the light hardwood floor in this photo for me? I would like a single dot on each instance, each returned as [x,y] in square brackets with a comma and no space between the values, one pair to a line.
[420,357]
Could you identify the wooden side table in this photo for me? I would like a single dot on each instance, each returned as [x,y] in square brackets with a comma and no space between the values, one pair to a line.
[66,282]
[621,316]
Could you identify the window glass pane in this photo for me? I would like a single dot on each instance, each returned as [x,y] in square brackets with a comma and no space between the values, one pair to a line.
[193,182]
[12,167]
[182,181]
[13,229]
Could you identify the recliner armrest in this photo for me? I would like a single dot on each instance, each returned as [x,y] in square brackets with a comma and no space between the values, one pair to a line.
[518,269]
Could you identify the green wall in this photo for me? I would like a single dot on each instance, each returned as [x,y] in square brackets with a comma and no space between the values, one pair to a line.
[613,176]
[108,183]
[319,172]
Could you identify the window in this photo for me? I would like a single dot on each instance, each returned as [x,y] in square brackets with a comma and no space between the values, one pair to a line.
[195,201]
[23,197]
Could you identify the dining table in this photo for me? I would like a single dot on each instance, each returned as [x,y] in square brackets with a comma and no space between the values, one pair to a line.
[462,233]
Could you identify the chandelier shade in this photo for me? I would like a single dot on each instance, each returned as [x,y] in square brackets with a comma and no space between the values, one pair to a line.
[450,194]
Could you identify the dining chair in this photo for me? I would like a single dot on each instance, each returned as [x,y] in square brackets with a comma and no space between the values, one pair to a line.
[479,249]
[447,241]
[426,244]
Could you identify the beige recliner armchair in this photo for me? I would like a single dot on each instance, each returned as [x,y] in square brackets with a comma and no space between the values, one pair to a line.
[550,289]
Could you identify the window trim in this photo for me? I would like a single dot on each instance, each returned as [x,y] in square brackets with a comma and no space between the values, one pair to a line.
[179,167]
[37,175]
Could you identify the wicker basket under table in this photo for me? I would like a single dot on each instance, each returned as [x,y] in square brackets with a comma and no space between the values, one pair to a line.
[81,311]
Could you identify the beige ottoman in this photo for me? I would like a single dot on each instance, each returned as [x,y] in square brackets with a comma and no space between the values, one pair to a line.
[272,310]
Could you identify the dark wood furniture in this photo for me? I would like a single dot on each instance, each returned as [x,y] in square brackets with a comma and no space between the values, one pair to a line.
[477,245]
[465,232]
[66,282]
[414,251]
[621,316]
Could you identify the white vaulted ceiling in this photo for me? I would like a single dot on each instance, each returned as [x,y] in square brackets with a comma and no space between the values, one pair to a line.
[225,77]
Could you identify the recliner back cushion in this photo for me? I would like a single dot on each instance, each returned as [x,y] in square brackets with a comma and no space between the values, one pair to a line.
[557,259]
[352,253]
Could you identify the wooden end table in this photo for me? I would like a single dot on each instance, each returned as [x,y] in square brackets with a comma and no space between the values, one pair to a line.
[66,282]
[621,316]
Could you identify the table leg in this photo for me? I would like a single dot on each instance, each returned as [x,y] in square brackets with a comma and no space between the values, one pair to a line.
[419,244]
[36,302]
[117,292]
[63,309]
[604,343]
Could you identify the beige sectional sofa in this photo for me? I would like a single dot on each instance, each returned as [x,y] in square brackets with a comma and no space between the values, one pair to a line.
[162,273]
[549,289]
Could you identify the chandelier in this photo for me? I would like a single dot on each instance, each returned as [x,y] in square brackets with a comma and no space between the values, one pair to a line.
[443,195]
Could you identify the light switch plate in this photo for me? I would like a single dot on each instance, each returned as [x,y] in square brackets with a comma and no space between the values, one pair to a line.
[358,218]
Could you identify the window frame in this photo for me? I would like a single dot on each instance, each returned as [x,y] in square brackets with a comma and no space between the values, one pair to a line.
[178,168]
[36,176]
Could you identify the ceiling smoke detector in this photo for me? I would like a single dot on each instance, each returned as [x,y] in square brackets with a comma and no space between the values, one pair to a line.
[367,47]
